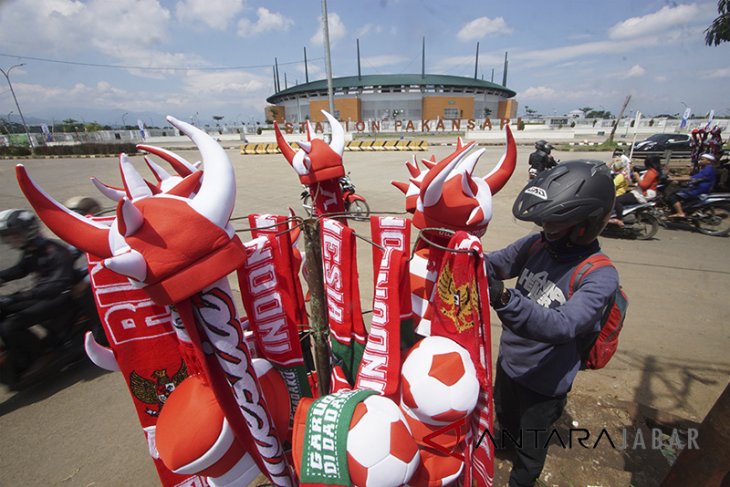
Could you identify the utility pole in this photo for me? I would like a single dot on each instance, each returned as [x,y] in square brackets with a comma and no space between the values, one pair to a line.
[22,118]
[618,119]
[328,59]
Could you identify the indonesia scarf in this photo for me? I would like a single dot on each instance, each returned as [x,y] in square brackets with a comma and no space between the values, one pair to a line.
[380,366]
[346,326]
[271,313]
[145,347]
[395,232]
[322,438]
[461,313]
[424,268]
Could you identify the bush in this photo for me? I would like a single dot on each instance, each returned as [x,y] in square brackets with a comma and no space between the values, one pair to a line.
[14,151]
[520,124]
[85,149]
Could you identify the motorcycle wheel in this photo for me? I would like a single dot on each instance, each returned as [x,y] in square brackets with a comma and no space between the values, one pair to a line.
[308,206]
[359,210]
[646,226]
[713,219]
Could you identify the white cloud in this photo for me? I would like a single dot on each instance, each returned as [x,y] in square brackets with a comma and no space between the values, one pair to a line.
[716,73]
[539,93]
[662,21]
[661,79]
[635,71]
[266,21]
[367,29]
[483,27]
[216,14]
[337,30]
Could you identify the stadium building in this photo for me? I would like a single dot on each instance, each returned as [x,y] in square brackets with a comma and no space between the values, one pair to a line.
[389,97]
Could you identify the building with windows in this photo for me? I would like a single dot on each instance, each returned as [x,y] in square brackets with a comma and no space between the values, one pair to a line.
[389,97]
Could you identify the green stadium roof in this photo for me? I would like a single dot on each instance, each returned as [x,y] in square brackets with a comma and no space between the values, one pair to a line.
[390,80]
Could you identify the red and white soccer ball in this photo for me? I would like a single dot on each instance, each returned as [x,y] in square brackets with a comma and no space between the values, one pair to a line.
[439,383]
[380,448]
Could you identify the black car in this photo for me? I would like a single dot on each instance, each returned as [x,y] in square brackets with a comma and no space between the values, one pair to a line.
[657,144]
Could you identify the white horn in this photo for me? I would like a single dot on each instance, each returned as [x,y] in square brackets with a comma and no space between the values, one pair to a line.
[433,192]
[160,173]
[305,146]
[337,143]
[134,183]
[111,193]
[131,218]
[217,193]
[102,357]
[130,264]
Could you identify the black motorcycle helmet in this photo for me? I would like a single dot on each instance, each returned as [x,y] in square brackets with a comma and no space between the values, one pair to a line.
[543,145]
[579,194]
[653,162]
[22,223]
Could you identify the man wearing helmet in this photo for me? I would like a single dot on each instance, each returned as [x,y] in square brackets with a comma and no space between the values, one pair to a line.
[541,160]
[546,328]
[701,183]
[51,263]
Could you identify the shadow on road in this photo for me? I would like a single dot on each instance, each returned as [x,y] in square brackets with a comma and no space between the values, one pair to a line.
[82,371]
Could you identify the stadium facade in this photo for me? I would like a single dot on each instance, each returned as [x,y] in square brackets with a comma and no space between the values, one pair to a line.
[390,97]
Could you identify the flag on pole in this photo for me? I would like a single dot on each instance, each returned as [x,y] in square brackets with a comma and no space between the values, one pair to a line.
[709,119]
[685,118]
[142,134]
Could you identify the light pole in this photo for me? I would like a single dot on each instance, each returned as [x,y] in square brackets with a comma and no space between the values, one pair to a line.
[7,77]
[124,120]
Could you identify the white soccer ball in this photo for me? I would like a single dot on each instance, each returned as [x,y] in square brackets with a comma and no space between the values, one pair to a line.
[380,449]
[439,383]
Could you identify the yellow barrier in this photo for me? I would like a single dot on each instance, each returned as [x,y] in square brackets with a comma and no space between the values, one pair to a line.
[355,146]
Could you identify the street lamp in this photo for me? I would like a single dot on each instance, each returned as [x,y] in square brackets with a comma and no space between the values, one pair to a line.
[124,120]
[22,118]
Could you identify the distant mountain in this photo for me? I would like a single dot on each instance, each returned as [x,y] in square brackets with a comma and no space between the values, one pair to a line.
[112,117]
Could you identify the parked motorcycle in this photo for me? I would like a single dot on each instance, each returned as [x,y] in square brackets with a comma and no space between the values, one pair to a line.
[64,335]
[639,222]
[709,214]
[355,205]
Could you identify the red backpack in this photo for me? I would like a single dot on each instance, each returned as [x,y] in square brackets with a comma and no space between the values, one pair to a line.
[599,349]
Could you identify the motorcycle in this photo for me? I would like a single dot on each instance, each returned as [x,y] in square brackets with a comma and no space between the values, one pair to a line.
[355,205]
[64,335]
[709,214]
[639,222]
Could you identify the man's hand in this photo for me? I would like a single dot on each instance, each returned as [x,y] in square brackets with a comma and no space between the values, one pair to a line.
[496,293]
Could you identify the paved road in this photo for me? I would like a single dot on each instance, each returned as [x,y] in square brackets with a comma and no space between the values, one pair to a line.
[81,430]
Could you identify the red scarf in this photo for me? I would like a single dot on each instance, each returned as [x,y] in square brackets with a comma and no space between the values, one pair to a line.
[347,329]
[461,313]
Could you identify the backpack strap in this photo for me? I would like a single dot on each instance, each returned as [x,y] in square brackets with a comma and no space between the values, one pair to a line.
[592,263]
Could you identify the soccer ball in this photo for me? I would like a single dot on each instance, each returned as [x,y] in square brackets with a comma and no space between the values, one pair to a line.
[380,449]
[439,383]
[436,469]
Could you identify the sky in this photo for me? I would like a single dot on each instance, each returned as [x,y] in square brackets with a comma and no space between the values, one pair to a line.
[115,61]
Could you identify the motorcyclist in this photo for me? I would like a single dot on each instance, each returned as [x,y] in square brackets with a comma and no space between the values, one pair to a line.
[702,182]
[52,266]
[541,160]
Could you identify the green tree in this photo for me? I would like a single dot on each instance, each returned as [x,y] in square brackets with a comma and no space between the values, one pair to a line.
[719,30]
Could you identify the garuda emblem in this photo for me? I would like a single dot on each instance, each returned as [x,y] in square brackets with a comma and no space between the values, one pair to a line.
[457,302]
[155,391]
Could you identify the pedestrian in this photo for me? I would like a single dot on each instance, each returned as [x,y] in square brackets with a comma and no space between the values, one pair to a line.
[545,328]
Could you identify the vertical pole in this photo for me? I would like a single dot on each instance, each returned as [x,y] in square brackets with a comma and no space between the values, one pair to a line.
[306,68]
[276,66]
[504,74]
[423,58]
[359,73]
[476,62]
[328,59]
[317,303]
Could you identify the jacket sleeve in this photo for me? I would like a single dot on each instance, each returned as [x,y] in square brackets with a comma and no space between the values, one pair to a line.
[508,262]
[15,272]
[579,315]
[57,281]
[648,180]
